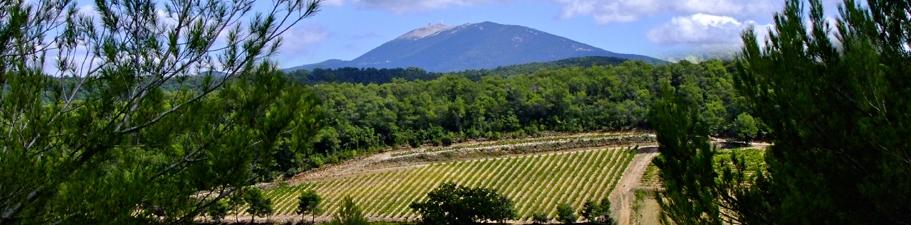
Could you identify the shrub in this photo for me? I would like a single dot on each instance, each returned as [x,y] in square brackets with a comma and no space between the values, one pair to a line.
[539,218]
[258,204]
[349,214]
[218,211]
[566,214]
[308,203]
[452,204]
[746,127]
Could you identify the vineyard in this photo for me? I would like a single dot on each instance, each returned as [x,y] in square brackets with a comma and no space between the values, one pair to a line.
[535,182]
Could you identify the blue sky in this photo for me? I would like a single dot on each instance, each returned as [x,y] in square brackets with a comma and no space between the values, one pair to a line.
[345,29]
[667,29]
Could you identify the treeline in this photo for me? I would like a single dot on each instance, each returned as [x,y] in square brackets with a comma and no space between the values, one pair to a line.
[451,108]
[360,75]
[386,75]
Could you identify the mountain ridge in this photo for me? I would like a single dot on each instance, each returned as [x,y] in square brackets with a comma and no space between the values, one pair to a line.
[485,45]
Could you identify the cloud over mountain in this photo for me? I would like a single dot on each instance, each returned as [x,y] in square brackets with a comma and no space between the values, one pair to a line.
[405,6]
[609,11]
[699,29]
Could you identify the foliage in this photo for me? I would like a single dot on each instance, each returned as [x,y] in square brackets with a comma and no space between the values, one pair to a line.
[453,107]
[308,203]
[360,75]
[841,113]
[349,214]
[837,109]
[745,127]
[91,137]
[685,160]
[597,213]
[590,211]
[453,204]
[257,204]
[539,218]
[218,211]
[566,214]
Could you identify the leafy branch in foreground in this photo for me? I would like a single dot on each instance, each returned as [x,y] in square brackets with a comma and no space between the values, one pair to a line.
[837,104]
[90,137]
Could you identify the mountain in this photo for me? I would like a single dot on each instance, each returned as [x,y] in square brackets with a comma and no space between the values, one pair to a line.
[442,48]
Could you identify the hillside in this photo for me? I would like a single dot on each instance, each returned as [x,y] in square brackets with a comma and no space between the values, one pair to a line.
[486,45]
[385,75]
[537,173]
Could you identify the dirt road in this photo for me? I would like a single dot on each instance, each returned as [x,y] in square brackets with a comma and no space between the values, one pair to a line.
[623,195]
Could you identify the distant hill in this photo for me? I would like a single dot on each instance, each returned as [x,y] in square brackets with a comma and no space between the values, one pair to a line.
[384,75]
[487,45]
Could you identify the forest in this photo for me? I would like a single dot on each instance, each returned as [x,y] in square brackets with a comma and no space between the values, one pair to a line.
[454,108]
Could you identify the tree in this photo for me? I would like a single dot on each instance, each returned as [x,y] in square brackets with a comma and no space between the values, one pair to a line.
[604,214]
[685,160]
[837,109]
[349,214]
[745,127]
[218,211]
[539,218]
[840,100]
[308,203]
[257,203]
[566,214]
[590,211]
[235,202]
[597,213]
[94,137]
[453,204]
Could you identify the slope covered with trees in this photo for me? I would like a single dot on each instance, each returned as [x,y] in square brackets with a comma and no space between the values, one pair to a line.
[361,117]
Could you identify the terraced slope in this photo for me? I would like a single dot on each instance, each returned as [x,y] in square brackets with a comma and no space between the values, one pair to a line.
[535,182]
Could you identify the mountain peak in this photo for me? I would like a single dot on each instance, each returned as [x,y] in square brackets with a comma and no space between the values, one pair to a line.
[484,45]
[426,31]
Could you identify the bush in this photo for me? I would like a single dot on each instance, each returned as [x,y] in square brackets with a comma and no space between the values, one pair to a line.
[452,204]
[745,127]
[603,214]
[308,203]
[539,218]
[590,211]
[258,204]
[597,213]
[349,214]
[218,211]
[566,214]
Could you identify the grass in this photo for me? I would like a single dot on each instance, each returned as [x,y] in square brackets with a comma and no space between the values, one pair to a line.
[536,183]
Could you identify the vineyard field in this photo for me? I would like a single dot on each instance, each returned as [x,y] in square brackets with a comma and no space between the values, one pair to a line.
[535,182]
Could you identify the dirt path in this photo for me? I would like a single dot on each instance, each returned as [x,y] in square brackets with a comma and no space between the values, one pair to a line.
[623,196]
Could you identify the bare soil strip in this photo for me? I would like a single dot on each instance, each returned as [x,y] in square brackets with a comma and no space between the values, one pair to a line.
[623,194]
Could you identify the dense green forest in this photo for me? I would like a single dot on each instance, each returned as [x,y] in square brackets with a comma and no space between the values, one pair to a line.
[453,107]
[359,75]
[386,75]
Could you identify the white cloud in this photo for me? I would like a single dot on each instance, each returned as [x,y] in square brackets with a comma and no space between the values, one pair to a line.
[406,6]
[698,29]
[608,11]
[298,39]
[334,2]
[708,32]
